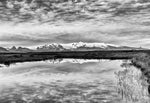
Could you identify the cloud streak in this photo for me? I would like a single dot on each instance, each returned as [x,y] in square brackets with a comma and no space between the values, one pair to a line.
[37,22]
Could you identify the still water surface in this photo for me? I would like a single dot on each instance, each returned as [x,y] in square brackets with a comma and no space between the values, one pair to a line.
[72,81]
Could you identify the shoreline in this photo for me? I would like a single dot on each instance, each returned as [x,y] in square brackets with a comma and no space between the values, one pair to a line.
[142,62]
[14,57]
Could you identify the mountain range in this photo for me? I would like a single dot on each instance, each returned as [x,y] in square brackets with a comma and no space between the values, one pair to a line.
[80,46]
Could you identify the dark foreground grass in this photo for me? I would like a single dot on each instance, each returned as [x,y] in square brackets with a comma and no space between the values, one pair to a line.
[142,61]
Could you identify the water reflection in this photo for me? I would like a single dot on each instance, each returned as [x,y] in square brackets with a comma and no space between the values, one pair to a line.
[72,81]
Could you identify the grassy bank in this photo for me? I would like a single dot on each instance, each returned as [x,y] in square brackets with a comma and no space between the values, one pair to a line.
[142,62]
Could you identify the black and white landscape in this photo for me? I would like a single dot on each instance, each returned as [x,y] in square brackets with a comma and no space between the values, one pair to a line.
[74,51]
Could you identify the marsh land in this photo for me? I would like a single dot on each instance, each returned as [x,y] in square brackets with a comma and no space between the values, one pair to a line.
[13,57]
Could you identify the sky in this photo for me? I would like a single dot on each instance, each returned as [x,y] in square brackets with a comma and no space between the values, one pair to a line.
[30,23]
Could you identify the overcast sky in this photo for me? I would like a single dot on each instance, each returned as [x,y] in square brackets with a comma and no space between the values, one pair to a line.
[37,22]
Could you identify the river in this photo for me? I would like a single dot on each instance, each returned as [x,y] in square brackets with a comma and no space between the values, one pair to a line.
[72,81]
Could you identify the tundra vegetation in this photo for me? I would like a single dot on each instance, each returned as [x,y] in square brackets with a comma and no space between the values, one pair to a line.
[142,62]
[13,57]
[134,80]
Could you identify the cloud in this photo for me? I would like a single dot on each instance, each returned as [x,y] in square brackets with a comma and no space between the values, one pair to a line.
[27,34]
[31,23]
[53,10]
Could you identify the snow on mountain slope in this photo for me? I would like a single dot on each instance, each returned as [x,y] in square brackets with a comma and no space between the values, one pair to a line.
[53,46]
[90,45]
[77,46]
[74,46]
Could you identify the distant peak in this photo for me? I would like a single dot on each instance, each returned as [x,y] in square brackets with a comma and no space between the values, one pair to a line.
[84,46]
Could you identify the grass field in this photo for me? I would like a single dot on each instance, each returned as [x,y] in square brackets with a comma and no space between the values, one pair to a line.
[8,57]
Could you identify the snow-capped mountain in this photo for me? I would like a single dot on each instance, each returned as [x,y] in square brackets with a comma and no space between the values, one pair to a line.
[19,49]
[81,46]
[51,47]
[86,46]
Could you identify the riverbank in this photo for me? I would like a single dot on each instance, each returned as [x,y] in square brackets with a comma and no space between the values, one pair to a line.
[142,62]
[13,57]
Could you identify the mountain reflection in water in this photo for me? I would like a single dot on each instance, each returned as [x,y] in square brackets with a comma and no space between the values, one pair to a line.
[72,81]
